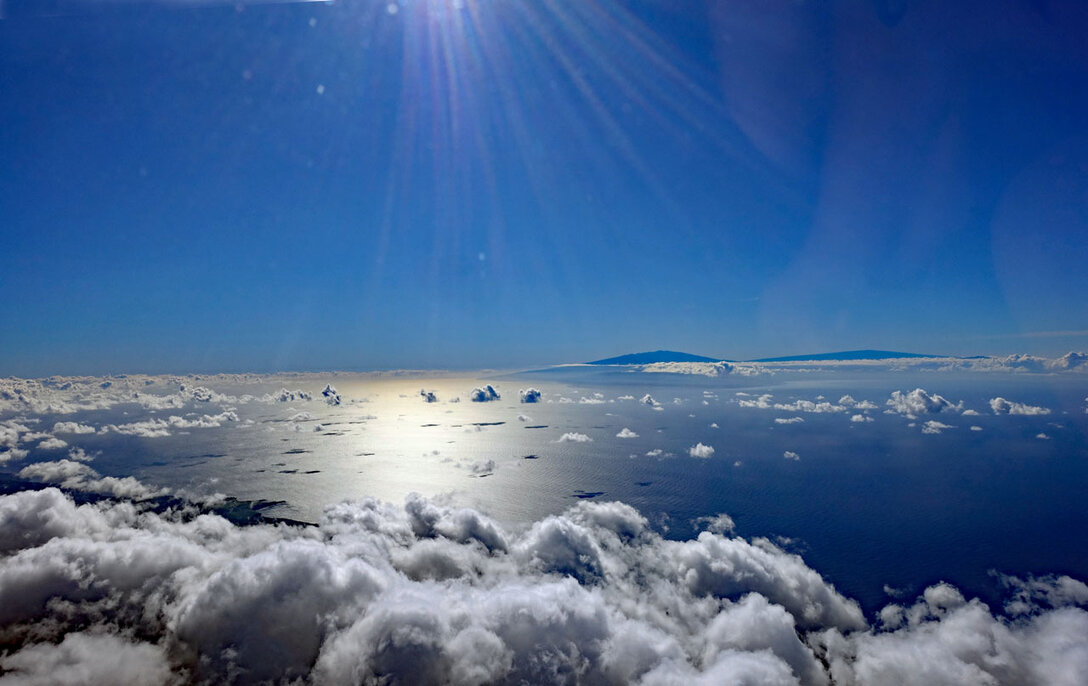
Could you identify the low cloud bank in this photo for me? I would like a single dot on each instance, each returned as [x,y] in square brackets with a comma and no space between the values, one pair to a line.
[422,593]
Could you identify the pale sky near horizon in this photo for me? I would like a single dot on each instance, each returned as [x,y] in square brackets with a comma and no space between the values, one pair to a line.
[485,183]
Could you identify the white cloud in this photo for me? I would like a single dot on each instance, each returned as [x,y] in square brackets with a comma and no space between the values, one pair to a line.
[1042,436]
[88,658]
[935,427]
[945,639]
[649,400]
[530,395]
[286,396]
[574,437]
[592,592]
[701,451]
[80,455]
[485,394]
[482,467]
[763,402]
[158,428]
[822,407]
[78,476]
[626,433]
[788,420]
[860,418]
[850,402]
[52,443]
[524,418]
[720,523]
[428,396]
[790,455]
[976,428]
[332,397]
[72,428]
[711,369]
[1001,406]
[918,402]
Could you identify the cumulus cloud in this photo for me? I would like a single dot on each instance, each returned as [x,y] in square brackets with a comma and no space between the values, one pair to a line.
[848,401]
[529,395]
[944,638]
[918,402]
[89,658]
[935,427]
[860,418]
[790,455]
[701,451]
[423,593]
[649,400]
[482,467]
[763,402]
[574,437]
[711,369]
[626,433]
[80,455]
[286,396]
[485,394]
[72,428]
[788,420]
[332,397]
[158,428]
[428,396]
[52,443]
[11,433]
[720,523]
[78,476]
[820,407]
[1001,406]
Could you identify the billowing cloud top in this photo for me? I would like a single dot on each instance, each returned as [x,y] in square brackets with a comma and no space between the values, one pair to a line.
[425,594]
[529,395]
[1001,406]
[919,402]
[330,394]
[482,395]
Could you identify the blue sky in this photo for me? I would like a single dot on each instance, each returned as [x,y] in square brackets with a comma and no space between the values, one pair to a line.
[312,186]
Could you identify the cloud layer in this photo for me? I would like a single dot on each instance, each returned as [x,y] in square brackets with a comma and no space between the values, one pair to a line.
[424,593]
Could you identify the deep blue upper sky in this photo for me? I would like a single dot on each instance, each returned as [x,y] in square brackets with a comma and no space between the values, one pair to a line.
[518,182]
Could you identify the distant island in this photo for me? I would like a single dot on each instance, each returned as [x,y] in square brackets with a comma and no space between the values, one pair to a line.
[658,356]
[655,357]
